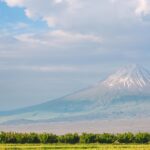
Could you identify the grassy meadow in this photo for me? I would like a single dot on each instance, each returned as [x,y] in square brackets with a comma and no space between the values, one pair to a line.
[73,147]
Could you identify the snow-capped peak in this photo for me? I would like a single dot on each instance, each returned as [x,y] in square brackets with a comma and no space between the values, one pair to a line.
[132,76]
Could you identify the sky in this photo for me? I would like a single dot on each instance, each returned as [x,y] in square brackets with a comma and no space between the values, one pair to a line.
[50,48]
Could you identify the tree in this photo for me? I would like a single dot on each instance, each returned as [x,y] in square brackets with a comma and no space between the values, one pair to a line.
[69,138]
[88,138]
[142,138]
[125,138]
[106,138]
[48,138]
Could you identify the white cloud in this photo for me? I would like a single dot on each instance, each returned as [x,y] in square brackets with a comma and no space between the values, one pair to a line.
[58,1]
[13,3]
[58,68]
[52,68]
[47,10]
[29,38]
[63,11]
[75,37]
[72,13]
[51,21]
[29,14]
[82,24]
[21,25]
[143,7]
[59,37]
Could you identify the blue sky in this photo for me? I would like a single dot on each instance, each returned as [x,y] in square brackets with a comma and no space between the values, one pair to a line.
[54,47]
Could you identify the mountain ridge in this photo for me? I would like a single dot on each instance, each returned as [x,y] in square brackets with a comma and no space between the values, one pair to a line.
[124,94]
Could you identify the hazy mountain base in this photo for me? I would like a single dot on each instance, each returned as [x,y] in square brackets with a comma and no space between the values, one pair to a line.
[130,107]
[109,126]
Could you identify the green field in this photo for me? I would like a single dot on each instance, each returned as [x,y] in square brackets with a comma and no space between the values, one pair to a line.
[72,147]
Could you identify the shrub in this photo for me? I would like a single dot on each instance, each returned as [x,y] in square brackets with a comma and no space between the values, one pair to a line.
[69,138]
[9,137]
[88,138]
[48,138]
[125,138]
[142,138]
[106,138]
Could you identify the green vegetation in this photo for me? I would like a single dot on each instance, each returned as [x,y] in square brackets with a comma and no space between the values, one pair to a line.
[85,138]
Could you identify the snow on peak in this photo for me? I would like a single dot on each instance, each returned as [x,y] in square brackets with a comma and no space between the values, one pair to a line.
[132,76]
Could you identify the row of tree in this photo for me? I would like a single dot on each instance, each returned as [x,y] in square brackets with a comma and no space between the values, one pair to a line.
[12,137]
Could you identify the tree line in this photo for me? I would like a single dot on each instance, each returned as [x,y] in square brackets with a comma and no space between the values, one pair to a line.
[87,138]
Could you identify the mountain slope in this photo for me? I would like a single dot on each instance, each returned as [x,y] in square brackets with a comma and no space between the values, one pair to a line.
[124,94]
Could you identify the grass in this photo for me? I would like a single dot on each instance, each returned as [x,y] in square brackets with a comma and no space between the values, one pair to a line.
[72,147]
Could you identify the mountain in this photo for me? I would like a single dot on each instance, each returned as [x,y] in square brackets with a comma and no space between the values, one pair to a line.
[124,94]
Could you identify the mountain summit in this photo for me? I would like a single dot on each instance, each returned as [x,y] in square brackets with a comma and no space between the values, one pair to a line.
[124,94]
[132,76]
